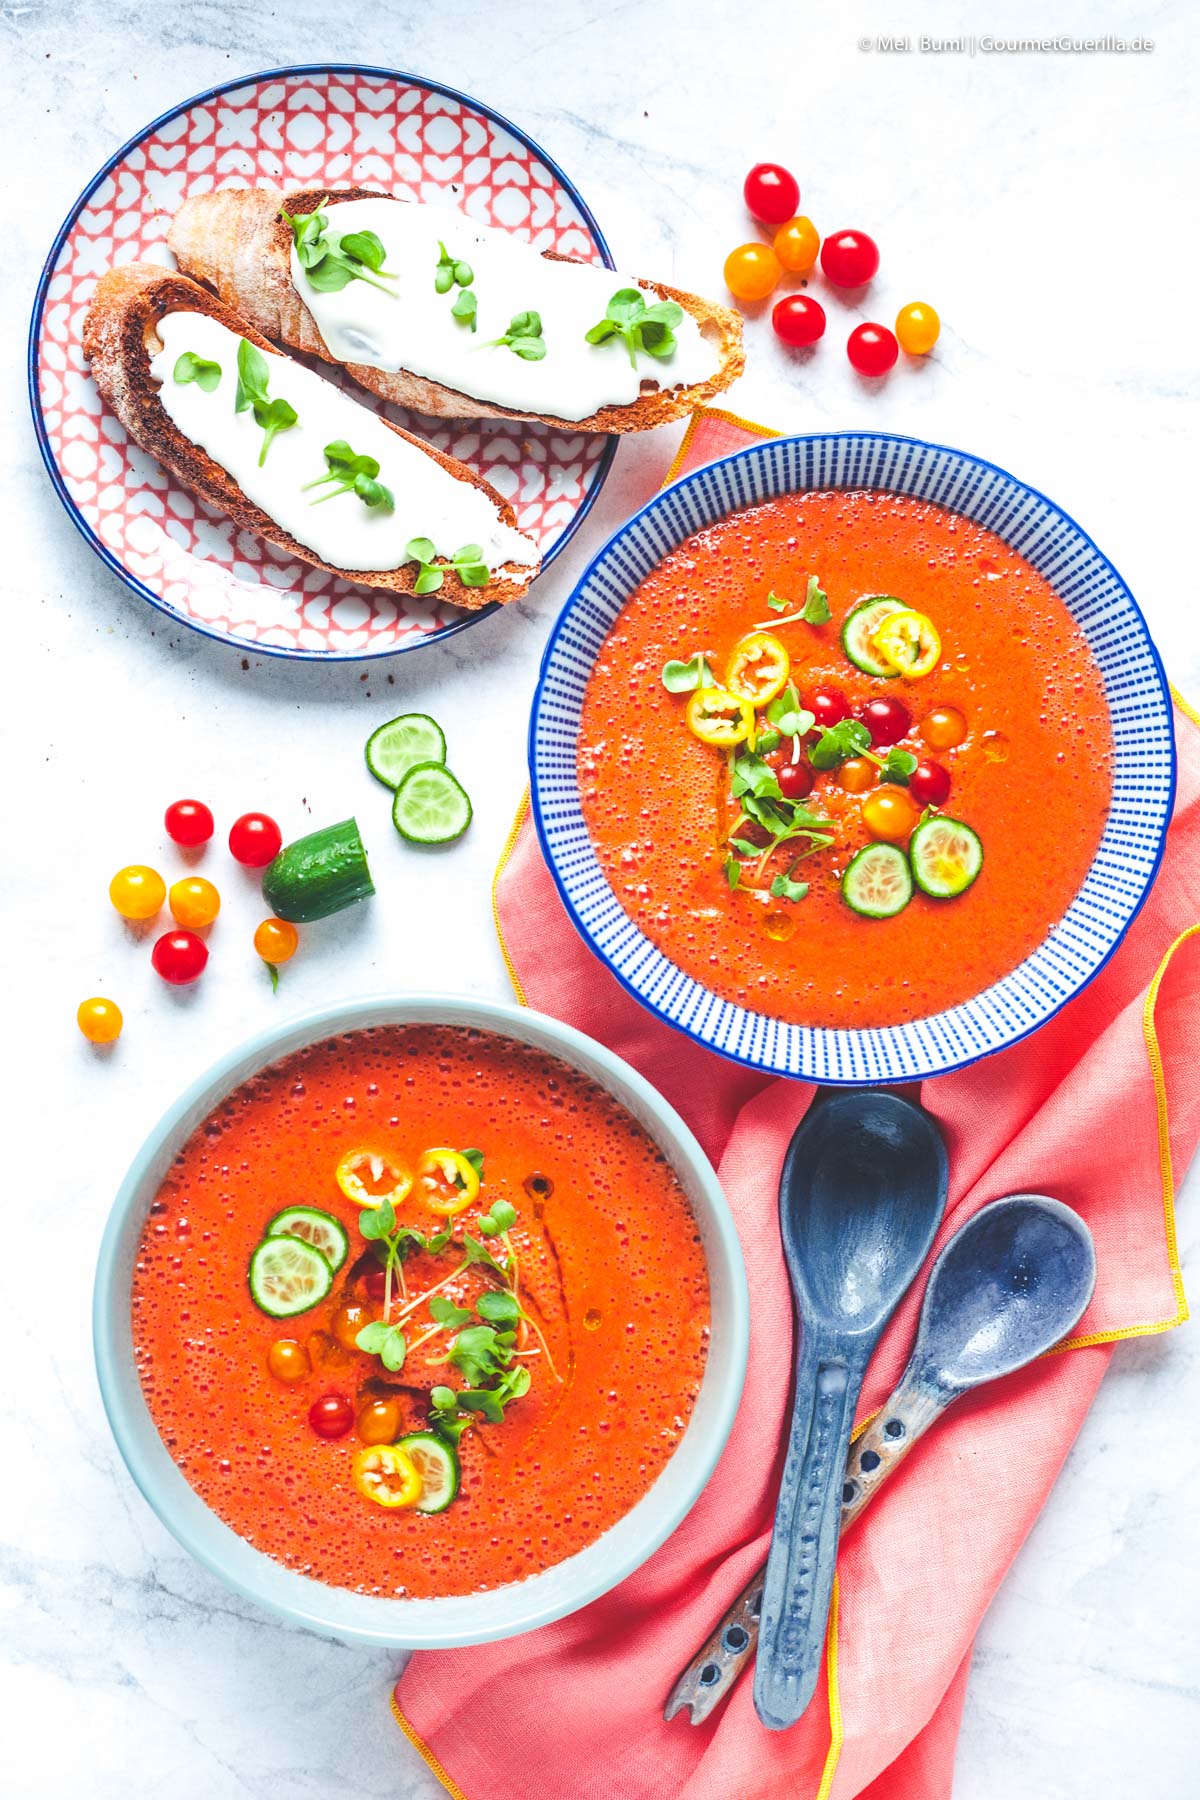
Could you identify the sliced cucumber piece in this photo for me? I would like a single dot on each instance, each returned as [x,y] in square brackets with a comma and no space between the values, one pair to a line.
[288,1276]
[318,874]
[430,807]
[437,1464]
[861,624]
[394,749]
[312,1226]
[878,883]
[946,857]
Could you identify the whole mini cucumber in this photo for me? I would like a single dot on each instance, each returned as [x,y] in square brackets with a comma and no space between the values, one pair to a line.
[318,875]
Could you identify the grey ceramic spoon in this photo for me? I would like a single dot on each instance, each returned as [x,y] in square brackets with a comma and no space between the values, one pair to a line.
[860,1200]
[1009,1285]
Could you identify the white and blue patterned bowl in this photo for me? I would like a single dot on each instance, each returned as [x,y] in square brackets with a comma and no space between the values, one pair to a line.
[1130,850]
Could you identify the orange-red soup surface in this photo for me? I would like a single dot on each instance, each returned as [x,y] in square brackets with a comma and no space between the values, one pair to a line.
[610,1265]
[1033,776]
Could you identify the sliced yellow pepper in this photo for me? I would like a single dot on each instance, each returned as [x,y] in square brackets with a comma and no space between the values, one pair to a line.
[369,1178]
[909,641]
[387,1475]
[758,668]
[446,1182]
[718,717]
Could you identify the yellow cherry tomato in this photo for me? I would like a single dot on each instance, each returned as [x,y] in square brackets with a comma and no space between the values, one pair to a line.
[856,775]
[137,892]
[446,1181]
[943,728]
[386,1474]
[716,717]
[369,1178]
[276,940]
[752,271]
[796,245]
[758,668]
[890,813]
[917,328]
[99,1020]
[909,641]
[193,902]
[289,1361]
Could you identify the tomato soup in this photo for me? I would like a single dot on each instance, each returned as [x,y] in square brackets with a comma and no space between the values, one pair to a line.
[552,1276]
[971,764]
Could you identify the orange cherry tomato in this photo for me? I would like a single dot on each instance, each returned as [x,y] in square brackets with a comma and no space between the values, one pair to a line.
[917,328]
[796,245]
[194,902]
[856,775]
[890,813]
[137,892]
[276,941]
[752,271]
[99,1020]
[943,728]
[289,1361]
[378,1422]
[348,1321]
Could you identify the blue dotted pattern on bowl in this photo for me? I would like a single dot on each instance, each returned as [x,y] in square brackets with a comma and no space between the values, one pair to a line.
[1139,704]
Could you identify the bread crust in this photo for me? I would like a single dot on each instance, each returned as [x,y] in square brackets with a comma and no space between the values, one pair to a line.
[235,240]
[121,326]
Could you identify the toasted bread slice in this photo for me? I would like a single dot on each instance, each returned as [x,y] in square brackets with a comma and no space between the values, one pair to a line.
[236,241]
[119,339]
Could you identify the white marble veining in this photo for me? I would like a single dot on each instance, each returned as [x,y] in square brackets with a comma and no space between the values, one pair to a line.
[1044,205]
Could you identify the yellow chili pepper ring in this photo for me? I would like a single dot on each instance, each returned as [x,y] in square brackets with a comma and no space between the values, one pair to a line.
[369,1178]
[387,1475]
[758,668]
[718,717]
[909,642]
[447,1182]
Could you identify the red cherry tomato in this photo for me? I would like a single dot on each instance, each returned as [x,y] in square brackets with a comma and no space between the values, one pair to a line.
[331,1416]
[887,720]
[798,319]
[255,840]
[772,194]
[795,780]
[929,784]
[179,957]
[828,706]
[849,258]
[188,822]
[375,1282]
[872,349]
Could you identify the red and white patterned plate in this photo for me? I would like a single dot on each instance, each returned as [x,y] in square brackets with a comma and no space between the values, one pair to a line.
[328,123]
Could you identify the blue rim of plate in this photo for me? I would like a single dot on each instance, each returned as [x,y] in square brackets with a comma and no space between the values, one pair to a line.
[81,525]
[847,1058]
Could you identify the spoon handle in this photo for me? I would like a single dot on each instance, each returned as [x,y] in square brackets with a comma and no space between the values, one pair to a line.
[804,1540]
[715,1669]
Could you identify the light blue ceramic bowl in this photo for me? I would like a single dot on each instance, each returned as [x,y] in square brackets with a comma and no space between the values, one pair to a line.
[469,1619]
[1139,706]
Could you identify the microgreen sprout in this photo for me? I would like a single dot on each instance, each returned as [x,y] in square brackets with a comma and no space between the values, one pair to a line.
[451,271]
[331,261]
[467,564]
[683,677]
[190,367]
[253,377]
[523,337]
[814,611]
[640,327]
[351,474]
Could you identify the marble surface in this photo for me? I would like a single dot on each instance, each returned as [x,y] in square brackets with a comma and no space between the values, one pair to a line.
[1035,200]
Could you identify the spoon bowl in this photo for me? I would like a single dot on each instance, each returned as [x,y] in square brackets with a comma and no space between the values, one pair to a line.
[1009,1285]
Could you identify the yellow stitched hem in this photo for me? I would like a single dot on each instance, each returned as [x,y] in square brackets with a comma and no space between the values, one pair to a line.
[1185,706]
[835,1704]
[426,1754]
[509,845]
[710,412]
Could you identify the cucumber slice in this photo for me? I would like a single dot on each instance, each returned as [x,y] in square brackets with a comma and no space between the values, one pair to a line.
[946,857]
[288,1276]
[312,1226]
[430,807]
[860,627]
[437,1465]
[318,874]
[393,750]
[878,883]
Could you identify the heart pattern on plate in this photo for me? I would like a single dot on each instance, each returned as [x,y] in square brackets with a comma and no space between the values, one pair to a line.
[335,125]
